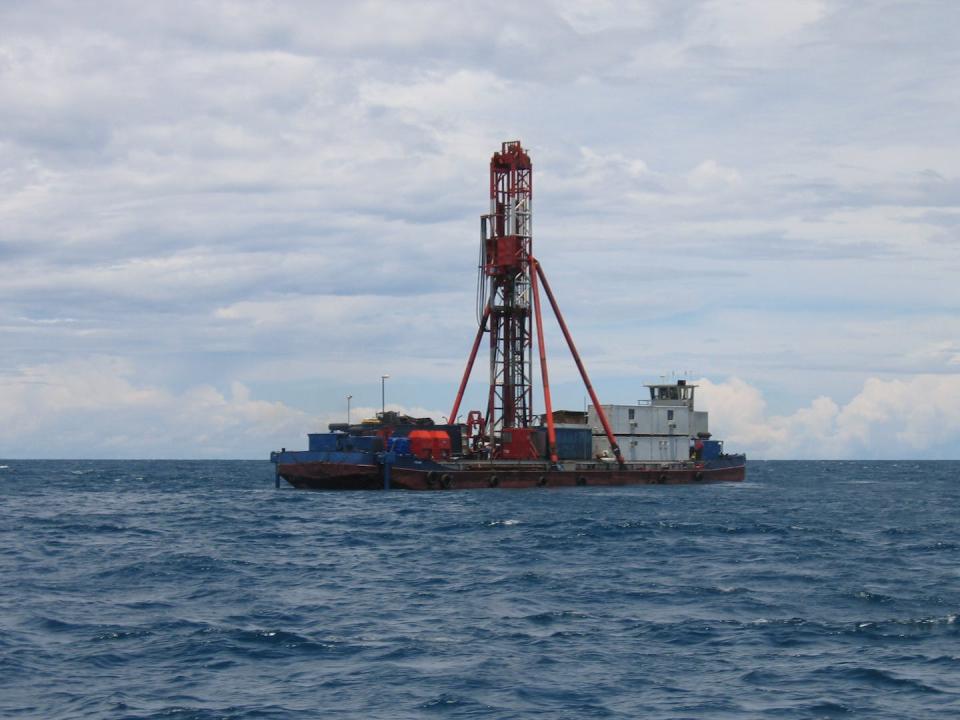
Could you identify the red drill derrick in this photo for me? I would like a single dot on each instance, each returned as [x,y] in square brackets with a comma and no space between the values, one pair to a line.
[506,238]
[510,299]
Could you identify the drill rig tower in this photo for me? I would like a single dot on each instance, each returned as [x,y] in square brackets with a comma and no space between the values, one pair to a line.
[505,264]
[509,302]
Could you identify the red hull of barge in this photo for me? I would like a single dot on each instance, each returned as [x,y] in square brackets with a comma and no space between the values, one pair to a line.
[329,476]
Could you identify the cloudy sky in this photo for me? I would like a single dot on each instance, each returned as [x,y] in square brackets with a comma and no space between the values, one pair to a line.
[218,219]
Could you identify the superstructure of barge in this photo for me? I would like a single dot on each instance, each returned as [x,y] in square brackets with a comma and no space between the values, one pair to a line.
[660,440]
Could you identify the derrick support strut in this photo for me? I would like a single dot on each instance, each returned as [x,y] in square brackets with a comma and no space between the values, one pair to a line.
[576,358]
[544,376]
[452,418]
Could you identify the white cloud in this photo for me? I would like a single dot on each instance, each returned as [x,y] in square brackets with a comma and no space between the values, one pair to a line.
[217,191]
[101,407]
[887,419]
[97,408]
[710,174]
[749,23]
[600,15]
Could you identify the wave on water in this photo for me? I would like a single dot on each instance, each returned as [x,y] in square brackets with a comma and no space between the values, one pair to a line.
[192,589]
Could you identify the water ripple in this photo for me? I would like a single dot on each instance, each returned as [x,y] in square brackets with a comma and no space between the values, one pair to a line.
[195,590]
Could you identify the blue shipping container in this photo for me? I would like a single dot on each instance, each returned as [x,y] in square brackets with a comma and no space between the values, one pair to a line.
[323,442]
[574,443]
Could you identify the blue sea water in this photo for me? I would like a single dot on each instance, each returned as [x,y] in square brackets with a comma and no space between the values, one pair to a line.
[167,589]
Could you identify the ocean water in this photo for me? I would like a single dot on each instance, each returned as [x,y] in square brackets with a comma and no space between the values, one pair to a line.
[165,589]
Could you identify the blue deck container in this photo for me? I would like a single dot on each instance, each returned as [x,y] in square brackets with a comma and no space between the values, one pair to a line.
[574,443]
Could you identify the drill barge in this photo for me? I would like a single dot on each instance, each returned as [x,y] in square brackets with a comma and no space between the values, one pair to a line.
[661,440]
[407,453]
[351,471]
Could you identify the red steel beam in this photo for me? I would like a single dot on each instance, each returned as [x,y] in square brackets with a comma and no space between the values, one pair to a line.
[452,418]
[542,344]
[576,358]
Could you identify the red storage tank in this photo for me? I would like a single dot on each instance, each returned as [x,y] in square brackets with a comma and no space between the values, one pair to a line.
[421,443]
[430,444]
[441,444]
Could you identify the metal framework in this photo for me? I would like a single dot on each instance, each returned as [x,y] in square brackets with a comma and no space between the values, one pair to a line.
[510,301]
[506,234]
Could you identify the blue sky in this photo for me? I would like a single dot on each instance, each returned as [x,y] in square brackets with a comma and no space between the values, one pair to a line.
[219,219]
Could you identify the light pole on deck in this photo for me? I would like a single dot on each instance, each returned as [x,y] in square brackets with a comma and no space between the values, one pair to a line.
[383,394]
[349,398]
